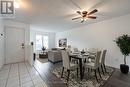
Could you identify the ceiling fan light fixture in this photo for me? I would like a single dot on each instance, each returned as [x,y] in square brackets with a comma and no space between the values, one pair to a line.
[82,19]
[85,19]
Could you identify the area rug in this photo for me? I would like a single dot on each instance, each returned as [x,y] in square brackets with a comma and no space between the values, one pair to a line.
[42,60]
[88,80]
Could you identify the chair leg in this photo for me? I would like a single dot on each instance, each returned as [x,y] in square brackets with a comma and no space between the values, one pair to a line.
[88,70]
[102,70]
[91,69]
[77,72]
[96,75]
[85,61]
[68,75]
[83,71]
[105,68]
[62,72]
[99,73]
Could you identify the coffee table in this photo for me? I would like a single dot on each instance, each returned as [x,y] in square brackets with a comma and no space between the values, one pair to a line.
[43,55]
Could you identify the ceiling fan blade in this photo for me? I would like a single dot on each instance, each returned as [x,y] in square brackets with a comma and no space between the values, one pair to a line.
[92,17]
[79,12]
[76,18]
[92,12]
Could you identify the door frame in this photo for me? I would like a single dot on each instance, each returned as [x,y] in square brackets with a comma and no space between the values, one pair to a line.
[5,40]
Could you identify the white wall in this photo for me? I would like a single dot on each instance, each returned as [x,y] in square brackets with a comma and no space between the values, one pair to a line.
[100,35]
[51,35]
[30,52]
[24,26]
[1,44]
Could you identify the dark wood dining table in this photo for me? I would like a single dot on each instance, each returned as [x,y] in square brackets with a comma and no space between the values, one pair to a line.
[80,57]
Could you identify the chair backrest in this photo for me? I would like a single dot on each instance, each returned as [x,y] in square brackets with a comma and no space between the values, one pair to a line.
[65,59]
[69,46]
[97,60]
[75,49]
[69,50]
[93,49]
[103,56]
[86,49]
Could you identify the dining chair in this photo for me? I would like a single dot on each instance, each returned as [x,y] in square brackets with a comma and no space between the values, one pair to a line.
[95,65]
[75,50]
[67,64]
[69,50]
[86,49]
[102,61]
[92,50]
[92,53]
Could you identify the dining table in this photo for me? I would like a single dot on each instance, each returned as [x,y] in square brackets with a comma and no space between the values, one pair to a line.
[81,57]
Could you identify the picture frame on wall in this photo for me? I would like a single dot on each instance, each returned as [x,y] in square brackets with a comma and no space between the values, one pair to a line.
[63,42]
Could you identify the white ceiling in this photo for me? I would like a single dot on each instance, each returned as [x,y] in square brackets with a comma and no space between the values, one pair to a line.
[56,15]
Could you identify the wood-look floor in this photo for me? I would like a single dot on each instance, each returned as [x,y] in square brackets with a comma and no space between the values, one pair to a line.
[116,80]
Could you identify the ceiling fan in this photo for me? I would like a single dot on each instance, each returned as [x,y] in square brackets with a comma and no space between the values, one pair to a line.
[85,14]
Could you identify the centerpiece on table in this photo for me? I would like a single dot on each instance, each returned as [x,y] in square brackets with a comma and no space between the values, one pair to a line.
[83,52]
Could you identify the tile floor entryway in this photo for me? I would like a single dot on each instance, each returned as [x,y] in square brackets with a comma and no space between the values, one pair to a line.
[20,75]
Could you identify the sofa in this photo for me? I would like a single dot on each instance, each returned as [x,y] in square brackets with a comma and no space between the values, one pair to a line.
[54,55]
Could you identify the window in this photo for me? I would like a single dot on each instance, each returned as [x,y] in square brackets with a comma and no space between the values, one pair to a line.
[42,40]
[45,41]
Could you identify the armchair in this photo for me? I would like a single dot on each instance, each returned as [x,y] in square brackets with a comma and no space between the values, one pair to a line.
[54,56]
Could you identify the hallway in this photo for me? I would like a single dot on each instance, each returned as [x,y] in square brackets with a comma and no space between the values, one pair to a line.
[20,75]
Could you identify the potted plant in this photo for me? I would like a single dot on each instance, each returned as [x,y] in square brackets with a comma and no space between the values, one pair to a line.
[123,42]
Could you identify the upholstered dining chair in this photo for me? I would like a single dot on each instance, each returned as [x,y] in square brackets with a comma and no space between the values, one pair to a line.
[102,61]
[93,50]
[95,65]
[69,50]
[67,64]
[75,50]
[92,53]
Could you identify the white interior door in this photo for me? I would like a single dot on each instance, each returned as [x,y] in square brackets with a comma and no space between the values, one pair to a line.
[14,45]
